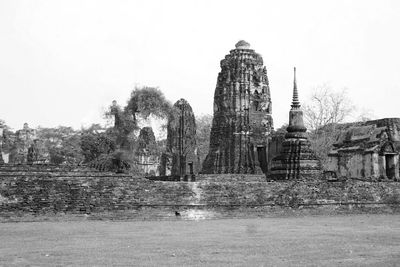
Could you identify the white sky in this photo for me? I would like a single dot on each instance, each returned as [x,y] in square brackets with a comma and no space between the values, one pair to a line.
[63,62]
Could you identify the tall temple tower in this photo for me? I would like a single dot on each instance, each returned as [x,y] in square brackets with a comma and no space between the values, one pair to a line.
[242,115]
[296,160]
[181,140]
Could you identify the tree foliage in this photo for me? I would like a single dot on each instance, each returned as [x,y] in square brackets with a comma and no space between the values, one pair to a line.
[95,142]
[124,126]
[62,144]
[116,161]
[146,101]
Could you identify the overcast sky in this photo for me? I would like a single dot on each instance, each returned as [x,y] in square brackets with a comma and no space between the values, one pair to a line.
[63,62]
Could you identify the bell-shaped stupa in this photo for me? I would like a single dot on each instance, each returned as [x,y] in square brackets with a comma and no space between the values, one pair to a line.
[297,160]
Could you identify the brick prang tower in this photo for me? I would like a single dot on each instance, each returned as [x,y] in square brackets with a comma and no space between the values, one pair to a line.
[242,115]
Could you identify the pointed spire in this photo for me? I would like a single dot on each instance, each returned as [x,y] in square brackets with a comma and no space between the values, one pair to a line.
[295,101]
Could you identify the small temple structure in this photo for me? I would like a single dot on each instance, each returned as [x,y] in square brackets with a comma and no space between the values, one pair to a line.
[242,118]
[147,158]
[296,160]
[24,143]
[367,150]
[181,158]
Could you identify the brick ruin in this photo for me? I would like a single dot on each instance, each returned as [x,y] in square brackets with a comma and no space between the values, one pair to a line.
[242,139]
[26,148]
[296,160]
[2,154]
[115,111]
[24,139]
[367,150]
[242,115]
[181,158]
[147,157]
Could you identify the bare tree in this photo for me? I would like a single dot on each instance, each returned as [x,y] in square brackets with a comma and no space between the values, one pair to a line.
[323,113]
[327,106]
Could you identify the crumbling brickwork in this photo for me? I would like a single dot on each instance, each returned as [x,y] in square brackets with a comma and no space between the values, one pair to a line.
[367,150]
[24,140]
[242,115]
[181,140]
[148,160]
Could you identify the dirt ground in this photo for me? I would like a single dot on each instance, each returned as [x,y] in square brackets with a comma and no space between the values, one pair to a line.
[351,240]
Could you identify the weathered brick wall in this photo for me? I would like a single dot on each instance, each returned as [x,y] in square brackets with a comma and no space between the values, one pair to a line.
[298,193]
[86,194]
[51,195]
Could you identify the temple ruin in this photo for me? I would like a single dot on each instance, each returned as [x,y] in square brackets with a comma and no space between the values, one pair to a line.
[2,161]
[367,150]
[297,160]
[24,139]
[148,160]
[115,111]
[242,115]
[181,153]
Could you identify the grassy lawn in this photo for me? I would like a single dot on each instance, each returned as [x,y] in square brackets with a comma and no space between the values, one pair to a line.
[296,241]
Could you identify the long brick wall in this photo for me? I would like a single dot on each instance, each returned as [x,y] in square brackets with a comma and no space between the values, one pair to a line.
[82,191]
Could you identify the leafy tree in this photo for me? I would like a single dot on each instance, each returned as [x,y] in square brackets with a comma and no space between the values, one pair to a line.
[62,144]
[146,101]
[124,126]
[143,103]
[116,161]
[281,130]
[96,141]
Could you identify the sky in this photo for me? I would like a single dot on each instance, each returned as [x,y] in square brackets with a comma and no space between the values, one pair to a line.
[64,62]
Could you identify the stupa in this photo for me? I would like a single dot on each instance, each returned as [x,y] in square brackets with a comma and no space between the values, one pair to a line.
[297,160]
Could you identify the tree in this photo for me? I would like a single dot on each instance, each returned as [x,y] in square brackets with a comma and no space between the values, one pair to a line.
[143,103]
[124,126]
[95,142]
[146,101]
[323,114]
[203,123]
[62,144]
[327,107]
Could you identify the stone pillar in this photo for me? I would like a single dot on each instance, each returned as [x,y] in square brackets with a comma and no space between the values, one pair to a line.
[382,167]
[396,164]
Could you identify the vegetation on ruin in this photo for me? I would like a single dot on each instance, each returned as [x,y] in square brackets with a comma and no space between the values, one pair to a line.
[146,101]
[103,146]
[96,141]
[324,113]
[62,144]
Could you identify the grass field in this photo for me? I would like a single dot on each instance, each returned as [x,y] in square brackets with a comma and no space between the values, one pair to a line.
[353,240]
